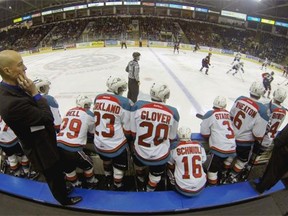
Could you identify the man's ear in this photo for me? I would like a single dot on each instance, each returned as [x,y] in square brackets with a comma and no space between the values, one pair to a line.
[5,70]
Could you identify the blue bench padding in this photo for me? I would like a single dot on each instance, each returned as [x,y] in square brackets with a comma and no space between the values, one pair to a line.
[135,202]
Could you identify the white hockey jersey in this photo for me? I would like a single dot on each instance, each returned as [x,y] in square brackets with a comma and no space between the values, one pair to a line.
[152,125]
[238,56]
[238,67]
[249,120]
[188,157]
[112,121]
[74,128]
[54,107]
[7,136]
[217,126]
[277,116]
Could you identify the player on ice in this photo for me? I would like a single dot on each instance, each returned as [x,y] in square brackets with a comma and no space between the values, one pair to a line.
[264,64]
[237,58]
[206,63]
[267,80]
[237,67]
[196,47]
[176,46]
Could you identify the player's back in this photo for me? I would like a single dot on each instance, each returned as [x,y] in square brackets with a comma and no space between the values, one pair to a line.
[217,125]
[277,116]
[153,124]
[249,119]
[74,128]
[54,107]
[189,173]
[112,119]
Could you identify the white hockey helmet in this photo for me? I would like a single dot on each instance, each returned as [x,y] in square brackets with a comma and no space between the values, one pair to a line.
[220,102]
[117,85]
[83,101]
[159,92]
[279,95]
[42,85]
[257,89]
[184,133]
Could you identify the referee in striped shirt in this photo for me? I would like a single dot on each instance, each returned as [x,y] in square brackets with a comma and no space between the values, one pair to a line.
[133,75]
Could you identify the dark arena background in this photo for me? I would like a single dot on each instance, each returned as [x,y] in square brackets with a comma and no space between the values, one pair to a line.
[77,46]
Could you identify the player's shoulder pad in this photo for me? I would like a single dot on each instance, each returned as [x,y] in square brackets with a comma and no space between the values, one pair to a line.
[175,112]
[263,111]
[51,101]
[139,104]
[90,113]
[241,97]
[208,114]
[174,144]
[124,102]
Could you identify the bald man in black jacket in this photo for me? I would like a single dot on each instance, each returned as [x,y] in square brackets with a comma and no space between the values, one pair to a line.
[27,113]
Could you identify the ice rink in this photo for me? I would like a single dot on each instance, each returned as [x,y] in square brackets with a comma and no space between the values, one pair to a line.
[85,71]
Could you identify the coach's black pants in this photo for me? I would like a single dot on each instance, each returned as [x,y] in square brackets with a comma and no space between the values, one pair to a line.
[276,168]
[55,179]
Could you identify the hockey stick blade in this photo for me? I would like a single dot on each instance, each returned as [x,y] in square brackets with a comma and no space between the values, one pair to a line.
[200,116]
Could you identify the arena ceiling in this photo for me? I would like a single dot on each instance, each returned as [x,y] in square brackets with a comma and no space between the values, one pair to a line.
[10,9]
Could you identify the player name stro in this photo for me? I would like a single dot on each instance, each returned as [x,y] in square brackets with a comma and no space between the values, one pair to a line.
[279,116]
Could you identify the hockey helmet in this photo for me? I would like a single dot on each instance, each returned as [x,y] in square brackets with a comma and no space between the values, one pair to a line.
[184,133]
[42,84]
[117,85]
[83,101]
[220,102]
[159,92]
[136,55]
[279,95]
[257,89]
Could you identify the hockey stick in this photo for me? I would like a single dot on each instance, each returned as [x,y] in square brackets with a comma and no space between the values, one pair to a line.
[241,75]
[200,116]
[130,152]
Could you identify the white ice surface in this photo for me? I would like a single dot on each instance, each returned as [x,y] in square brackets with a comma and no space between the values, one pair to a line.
[85,71]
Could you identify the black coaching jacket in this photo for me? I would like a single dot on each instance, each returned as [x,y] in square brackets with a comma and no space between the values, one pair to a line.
[32,122]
